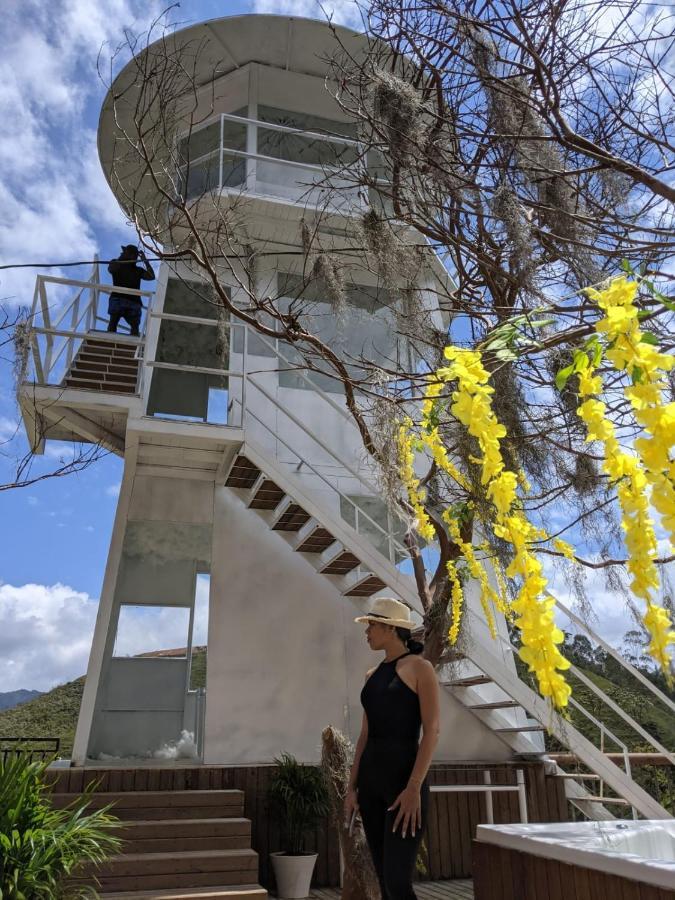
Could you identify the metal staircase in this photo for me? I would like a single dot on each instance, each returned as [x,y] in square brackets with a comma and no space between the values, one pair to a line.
[352,558]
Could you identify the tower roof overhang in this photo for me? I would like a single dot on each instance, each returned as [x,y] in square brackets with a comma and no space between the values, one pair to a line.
[212,50]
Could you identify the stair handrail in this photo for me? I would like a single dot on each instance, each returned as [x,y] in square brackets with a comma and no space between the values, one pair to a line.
[606,700]
[392,543]
[615,655]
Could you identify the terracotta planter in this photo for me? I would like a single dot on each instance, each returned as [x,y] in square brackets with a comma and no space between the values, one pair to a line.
[293,874]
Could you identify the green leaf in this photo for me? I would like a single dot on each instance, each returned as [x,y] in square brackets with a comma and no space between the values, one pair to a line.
[563,376]
[580,361]
[649,338]
[627,267]
[636,374]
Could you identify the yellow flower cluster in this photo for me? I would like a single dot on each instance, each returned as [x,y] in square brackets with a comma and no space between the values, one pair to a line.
[416,496]
[472,406]
[456,601]
[630,352]
[487,592]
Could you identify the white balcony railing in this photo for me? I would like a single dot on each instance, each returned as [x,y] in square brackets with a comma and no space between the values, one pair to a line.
[243,159]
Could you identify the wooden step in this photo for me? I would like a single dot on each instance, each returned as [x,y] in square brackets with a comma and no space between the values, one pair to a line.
[498,704]
[578,776]
[516,729]
[471,681]
[267,496]
[145,805]
[341,564]
[92,385]
[128,865]
[243,473]
[292,519]
[365,587]
[160,836]
[217,892]
[616,800]
[106,374]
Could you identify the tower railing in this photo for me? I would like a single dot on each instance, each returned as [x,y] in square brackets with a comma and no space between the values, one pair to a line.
[61,318]
[227,167]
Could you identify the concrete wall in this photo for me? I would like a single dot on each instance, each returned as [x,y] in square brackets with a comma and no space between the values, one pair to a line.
[285,657]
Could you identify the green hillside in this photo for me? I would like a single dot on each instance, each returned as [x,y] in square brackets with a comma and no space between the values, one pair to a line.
[54,714]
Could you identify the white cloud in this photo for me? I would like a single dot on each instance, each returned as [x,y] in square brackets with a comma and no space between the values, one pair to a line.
[8,429]
[113,490]
[32,501]
[46,633]
[52,193]
[342,12]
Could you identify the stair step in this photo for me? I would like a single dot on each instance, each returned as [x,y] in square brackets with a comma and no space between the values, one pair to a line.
[516,729]
[590,799]
[109,387]
[216,892]
[342,564]
[178,862]
[318,540]
[145,805]
[243,473]
[292,519]
[365,587]
[578,776]
[498,704]
[160,836]
[267,496]
[107,375]
[471,681]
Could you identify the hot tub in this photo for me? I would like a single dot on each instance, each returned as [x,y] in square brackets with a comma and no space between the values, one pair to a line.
[542,860]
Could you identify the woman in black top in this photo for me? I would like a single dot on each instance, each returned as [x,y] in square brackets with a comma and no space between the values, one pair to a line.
[387,784]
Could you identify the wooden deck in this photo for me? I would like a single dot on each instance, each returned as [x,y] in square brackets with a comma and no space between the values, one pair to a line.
[459,889]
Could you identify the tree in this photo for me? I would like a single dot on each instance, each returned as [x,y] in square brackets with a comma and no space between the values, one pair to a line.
[526,147]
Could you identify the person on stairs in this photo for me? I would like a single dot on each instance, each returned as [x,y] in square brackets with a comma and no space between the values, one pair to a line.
[125,273]
[387,784]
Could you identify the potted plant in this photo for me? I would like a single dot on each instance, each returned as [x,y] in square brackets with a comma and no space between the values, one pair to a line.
[298,801]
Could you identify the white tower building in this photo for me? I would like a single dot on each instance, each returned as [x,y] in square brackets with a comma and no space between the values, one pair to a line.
[238,465]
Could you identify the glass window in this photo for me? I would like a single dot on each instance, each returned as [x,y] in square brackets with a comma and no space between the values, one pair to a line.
[200,142]
[302,148]
[367,329]
[145,630]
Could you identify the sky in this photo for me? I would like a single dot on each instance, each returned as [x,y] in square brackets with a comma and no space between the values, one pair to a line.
[55,206]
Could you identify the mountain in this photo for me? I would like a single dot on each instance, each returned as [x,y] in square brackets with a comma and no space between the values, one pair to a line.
[9,699]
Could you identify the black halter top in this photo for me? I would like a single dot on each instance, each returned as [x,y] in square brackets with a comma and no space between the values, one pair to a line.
[392,708]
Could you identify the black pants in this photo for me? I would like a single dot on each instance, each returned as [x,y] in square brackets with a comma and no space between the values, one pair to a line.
[127,308]
[383,773]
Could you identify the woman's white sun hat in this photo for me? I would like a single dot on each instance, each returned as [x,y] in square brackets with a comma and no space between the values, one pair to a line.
[388,611]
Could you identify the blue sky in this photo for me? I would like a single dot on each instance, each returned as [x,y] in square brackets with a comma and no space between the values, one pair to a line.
[55,206]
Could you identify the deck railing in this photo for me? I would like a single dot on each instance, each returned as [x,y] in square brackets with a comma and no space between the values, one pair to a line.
[42,749]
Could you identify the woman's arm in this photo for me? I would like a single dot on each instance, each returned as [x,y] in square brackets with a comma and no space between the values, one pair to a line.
[428,693]
[408,801]
[351,798]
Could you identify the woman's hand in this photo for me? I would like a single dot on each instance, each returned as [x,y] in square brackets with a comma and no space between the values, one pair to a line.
[351,805]
[409,814]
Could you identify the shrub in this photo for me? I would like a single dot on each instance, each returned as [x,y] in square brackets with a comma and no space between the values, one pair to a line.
[41,848]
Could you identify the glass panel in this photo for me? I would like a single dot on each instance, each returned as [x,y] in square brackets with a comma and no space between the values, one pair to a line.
[307,122]
[367,329]
[189,344]
[144,630]
[190,298]
[202,176]
[200,142]
[234,135]
[367,525]
[234,170]
[298,148]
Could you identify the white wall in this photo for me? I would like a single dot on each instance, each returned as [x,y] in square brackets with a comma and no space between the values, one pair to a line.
[285,657]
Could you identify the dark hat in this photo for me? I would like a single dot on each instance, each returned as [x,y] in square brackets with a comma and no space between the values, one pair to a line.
[127,247]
